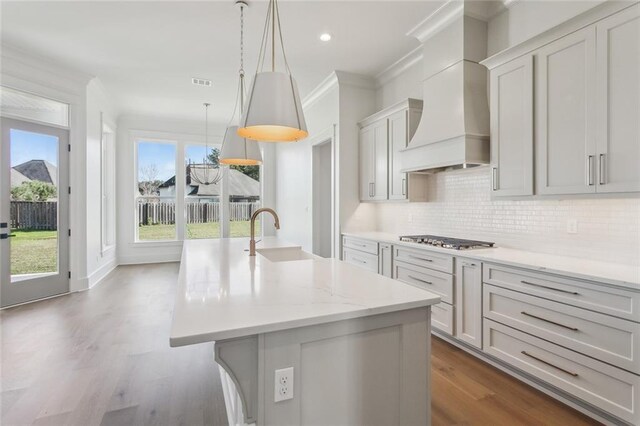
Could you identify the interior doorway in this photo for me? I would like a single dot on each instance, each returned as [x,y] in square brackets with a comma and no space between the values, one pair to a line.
[323,197]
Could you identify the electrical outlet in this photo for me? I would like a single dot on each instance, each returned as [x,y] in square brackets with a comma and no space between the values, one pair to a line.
[572,226]
[283,385]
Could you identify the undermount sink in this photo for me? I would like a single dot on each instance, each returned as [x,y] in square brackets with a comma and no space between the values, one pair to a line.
[284,254]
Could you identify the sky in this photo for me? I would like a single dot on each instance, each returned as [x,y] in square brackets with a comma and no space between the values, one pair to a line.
[27,146]
[163,156]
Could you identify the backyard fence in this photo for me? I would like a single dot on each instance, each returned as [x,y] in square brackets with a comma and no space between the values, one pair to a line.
[159,212]
[42,215]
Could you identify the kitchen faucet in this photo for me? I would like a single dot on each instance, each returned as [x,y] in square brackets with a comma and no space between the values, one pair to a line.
[252,242]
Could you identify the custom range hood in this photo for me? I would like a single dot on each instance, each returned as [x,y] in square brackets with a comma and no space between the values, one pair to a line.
[454,128]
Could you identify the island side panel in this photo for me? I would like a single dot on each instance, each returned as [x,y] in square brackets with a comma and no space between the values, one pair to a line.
[372,370]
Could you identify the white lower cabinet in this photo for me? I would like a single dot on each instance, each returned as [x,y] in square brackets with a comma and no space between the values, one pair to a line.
[581,337]
[360,252]
[468,298]
[602,385]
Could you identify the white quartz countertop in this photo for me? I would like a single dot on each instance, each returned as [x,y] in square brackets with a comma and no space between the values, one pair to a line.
[223,293]
[609,273]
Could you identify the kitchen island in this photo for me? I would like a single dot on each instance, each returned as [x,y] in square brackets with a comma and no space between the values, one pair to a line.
[358,342]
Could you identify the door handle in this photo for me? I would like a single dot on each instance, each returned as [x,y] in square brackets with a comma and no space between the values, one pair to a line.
[404,186]
[494,178]
[589,170]
[601,170]
[5,236]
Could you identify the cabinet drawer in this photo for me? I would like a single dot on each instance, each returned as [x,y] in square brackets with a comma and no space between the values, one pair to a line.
[442,317]
[424,258]
[611,389]
[612,340]
[436,282]
[362,245]
[584,294]
[358,258]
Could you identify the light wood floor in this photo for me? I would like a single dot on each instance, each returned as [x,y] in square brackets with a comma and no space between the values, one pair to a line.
[102,357]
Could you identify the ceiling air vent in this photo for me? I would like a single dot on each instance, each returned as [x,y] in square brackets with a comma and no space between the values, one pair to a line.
[201,82]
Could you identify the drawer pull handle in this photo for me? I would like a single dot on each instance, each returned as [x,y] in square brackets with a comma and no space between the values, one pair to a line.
[551,288]
[549,364]
[421,280]
[420,258]
[549,321]
[359,260]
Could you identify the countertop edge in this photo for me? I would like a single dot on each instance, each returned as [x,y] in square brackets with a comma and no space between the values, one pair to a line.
[177,341]
[478,255]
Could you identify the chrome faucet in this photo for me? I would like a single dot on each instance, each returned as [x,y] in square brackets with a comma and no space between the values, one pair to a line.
[252,242]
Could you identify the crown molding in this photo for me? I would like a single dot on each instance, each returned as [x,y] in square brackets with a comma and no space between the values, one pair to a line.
[399,66]
[438,20]
[336,79]
[320,90]
[13,55]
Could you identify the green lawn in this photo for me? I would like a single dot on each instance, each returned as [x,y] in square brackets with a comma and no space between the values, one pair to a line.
[194,231]
[34,252]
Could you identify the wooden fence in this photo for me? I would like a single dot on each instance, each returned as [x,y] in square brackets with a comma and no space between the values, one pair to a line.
[159,212]
[42,215]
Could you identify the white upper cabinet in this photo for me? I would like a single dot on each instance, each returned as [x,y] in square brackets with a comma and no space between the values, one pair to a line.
[512,128]
[579,104]
[564,114]
[398,140]
[374,161]
[382,137]
[618,102]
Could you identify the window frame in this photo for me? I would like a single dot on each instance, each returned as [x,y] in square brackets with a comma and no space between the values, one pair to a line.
[108,221]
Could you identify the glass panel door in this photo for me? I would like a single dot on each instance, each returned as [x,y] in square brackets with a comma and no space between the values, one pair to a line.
[34,225]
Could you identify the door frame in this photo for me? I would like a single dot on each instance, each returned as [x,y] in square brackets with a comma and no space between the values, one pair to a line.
[327,136]
[37,286]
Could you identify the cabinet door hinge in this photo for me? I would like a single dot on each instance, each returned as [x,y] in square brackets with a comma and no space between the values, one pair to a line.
[69,232]
[69,274]
[69,147]
[69,190]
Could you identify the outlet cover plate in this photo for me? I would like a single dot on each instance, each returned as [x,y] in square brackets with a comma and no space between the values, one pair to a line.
[283,384]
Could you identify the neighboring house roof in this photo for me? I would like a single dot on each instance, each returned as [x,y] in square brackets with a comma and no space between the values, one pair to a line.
[18,178]
[240,185]
[40,170]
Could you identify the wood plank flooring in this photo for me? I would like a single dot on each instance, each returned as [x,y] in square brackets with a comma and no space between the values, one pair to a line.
[102,357]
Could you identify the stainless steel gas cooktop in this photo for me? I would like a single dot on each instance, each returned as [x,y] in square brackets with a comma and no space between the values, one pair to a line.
[444,242]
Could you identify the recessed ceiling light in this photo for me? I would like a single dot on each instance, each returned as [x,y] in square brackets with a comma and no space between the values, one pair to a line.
[325,37]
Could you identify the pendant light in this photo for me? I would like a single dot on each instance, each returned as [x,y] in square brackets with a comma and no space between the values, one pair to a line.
[237,150]
[206,173]
[274,112]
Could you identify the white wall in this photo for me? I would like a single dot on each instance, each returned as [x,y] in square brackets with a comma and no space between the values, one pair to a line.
[408,84]
[293,165]
[99,109]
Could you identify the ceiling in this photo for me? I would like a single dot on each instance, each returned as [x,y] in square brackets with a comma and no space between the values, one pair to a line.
[145,53]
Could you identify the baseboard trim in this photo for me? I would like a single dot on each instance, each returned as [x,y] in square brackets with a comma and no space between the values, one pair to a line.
[565,398]
[100,274]
[146,259]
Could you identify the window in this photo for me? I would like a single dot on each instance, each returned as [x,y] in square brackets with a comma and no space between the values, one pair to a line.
[156,195]
[202,201]
[196,202]
[108,184]
[244,199]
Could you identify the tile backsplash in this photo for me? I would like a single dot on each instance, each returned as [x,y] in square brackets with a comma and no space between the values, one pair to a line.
[460,205]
